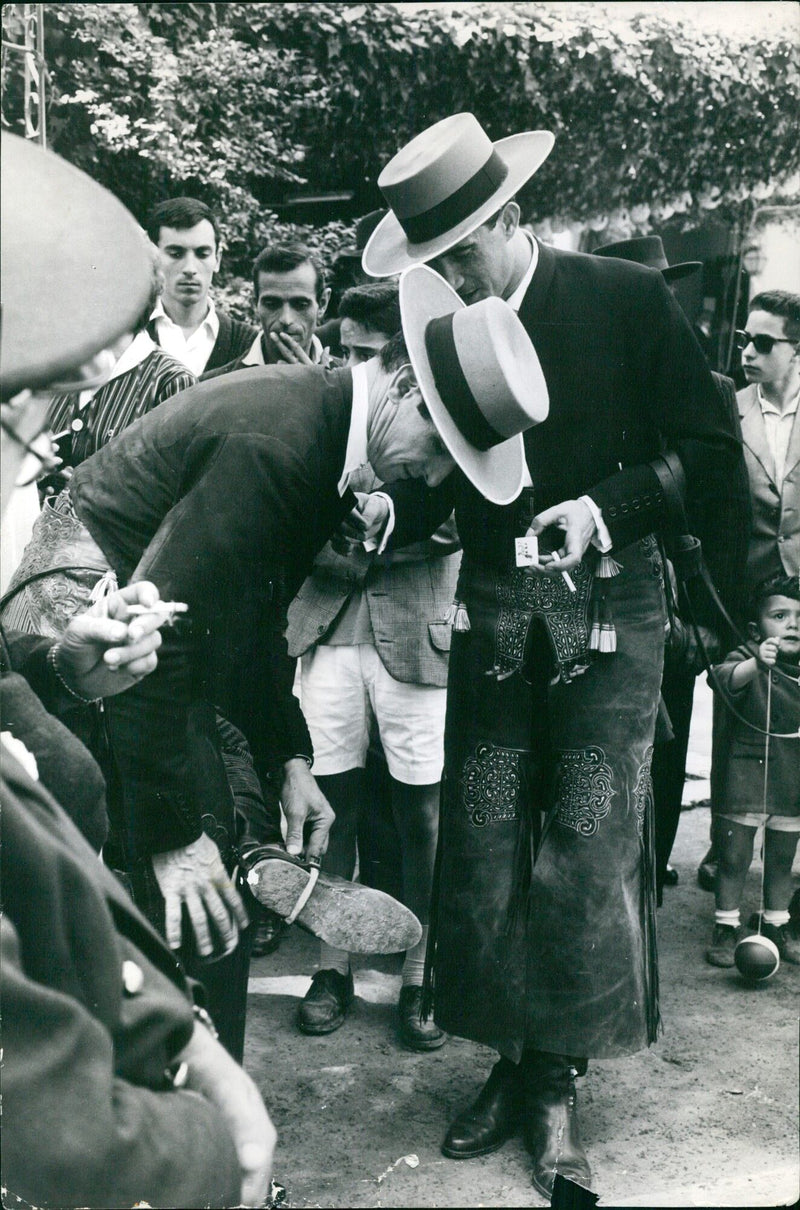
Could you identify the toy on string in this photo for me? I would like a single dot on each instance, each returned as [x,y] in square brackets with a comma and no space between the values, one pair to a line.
[757,957]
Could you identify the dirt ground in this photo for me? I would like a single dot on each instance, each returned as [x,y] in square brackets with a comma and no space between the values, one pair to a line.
[708,1116]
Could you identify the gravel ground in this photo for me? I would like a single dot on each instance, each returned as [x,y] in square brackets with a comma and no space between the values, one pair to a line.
[708,1116]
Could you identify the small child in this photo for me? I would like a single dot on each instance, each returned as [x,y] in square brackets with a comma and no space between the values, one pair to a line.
[739,801]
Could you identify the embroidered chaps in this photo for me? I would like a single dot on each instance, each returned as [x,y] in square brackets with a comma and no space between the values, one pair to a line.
[543,912]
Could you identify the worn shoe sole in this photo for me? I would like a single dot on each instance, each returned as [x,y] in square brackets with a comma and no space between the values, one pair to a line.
[341,913]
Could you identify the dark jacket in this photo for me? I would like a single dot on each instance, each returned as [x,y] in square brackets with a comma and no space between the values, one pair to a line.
[222,499]
[626,377]
[94,1010]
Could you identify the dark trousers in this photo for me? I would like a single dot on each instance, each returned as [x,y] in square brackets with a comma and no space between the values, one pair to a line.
[669,765]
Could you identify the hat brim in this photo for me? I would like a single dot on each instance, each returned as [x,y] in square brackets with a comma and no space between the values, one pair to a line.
[76,270]
[389,250]
[497,473]
[683,269]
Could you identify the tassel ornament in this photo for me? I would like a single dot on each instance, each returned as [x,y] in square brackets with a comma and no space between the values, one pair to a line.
[457,616]
[104,586]
[607,567]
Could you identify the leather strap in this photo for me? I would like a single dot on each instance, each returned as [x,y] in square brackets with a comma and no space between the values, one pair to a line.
[49,571]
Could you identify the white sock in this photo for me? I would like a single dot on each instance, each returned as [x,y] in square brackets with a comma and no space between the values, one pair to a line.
[414,965]
[773,916]
[331,959]
[731,917]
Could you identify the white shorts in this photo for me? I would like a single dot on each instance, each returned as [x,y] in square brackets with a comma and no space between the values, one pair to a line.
[754,819]
[343,688]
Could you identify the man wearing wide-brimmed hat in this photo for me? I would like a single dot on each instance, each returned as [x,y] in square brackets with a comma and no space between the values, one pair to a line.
[542,933]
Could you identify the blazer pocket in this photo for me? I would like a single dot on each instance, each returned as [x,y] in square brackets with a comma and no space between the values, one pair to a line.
[440,635]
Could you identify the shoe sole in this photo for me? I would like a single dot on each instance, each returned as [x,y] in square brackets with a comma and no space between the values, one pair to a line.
[344,914]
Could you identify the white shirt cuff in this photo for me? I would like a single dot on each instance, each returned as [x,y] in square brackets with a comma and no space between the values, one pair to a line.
[379,544]
[602,538]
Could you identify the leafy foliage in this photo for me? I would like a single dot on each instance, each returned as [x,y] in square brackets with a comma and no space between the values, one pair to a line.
[239,103]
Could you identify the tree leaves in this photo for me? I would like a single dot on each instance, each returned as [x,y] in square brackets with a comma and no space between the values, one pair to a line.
[240,102]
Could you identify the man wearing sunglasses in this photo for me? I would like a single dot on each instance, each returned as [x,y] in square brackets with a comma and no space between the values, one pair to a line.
[770,348]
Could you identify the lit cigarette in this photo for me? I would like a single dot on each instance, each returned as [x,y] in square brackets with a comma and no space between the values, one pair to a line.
[168,608]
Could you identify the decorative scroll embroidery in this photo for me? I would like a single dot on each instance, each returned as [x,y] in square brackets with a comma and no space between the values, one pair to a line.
[651,552]
[522,597]
[642,789]
[583,790]
[490,784]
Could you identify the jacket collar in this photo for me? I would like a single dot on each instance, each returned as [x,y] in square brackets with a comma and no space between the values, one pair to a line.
[754,434]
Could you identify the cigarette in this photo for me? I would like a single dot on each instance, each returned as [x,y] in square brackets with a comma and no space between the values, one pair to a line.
[165,607]
[569,581]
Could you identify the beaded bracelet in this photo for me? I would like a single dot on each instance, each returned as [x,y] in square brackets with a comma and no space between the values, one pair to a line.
[51,660]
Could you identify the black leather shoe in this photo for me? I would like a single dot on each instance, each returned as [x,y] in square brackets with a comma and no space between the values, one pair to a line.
[269,928]
[326,1003]
[491,1120]
[550,1125]
[413,1032]
[671,876]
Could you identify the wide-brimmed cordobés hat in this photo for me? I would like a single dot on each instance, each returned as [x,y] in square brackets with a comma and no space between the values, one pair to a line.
[480,378]
[444,184]
[649,250]
[76,270]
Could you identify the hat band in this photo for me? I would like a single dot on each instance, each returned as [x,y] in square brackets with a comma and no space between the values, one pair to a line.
[453,387]
[456,206]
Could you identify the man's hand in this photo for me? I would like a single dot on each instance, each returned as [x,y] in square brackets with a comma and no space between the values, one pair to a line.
[214,1075]
[363,523]
[108,649]
[286,348]
[309,815]
[196,876]
[577,522]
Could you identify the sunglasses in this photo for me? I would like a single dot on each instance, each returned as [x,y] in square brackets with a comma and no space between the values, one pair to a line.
[761,342]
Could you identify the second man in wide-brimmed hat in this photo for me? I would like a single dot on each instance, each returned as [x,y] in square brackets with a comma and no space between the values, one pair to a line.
[542,944]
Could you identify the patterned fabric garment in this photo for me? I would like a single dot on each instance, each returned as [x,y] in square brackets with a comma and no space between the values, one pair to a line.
[116,404]
[61,572]
[543,923]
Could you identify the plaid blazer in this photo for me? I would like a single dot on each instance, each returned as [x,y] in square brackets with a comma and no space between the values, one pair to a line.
[408,593]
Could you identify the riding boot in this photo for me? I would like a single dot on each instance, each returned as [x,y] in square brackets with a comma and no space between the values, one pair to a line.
[491,1120]
[550,1121]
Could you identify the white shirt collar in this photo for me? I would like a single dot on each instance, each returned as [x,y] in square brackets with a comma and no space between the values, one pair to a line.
[255,354]
[515,301]
[140,347]
[211,321]
[769,408]
[356,452]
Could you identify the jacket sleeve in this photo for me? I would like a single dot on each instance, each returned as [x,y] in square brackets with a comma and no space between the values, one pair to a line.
[76,1134]
[689,411]
[419,510]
